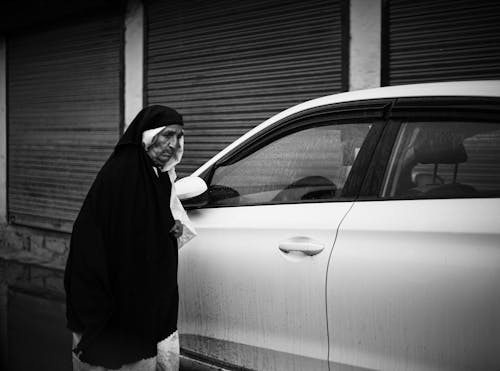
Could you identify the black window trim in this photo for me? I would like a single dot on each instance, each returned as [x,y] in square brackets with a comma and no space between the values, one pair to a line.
[375,174]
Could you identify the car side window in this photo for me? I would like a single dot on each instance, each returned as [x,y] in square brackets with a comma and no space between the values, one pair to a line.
[444,160]
[305,165]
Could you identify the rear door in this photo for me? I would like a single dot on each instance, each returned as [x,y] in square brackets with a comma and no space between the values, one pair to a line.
[252,284]
[414,275]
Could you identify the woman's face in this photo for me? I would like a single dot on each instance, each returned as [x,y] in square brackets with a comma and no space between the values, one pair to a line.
[165,144]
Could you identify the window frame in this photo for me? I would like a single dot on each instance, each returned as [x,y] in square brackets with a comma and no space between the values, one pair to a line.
[370,111]
[409,110]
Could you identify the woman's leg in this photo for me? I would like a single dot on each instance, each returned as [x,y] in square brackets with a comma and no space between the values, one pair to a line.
[168,354]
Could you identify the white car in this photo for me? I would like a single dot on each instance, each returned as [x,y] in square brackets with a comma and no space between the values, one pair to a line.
[358,231]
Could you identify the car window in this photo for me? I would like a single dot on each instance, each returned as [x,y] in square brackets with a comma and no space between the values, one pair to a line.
[306,165]
[445,159]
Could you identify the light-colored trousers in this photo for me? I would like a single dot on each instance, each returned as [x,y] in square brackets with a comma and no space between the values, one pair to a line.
[167,358]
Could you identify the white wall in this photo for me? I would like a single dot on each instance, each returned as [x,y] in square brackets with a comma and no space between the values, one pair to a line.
[134,51]
[3,132]
[365,44]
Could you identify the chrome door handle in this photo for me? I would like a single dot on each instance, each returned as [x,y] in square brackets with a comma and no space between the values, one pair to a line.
[301,244]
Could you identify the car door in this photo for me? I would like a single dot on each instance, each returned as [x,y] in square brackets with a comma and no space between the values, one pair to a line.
[252,283]
[414,275]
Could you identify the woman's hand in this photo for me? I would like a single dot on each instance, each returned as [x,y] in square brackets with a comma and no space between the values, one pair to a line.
[177,229]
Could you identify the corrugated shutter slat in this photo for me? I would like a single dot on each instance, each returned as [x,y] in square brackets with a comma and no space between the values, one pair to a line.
[443,40]
[227,66]
[64,117]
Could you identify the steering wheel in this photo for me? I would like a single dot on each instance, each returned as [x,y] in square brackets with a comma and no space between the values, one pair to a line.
[221,194]
[313,187]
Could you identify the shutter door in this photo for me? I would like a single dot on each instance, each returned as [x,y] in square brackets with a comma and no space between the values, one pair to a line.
[442,40]
[63,118]
[228,65]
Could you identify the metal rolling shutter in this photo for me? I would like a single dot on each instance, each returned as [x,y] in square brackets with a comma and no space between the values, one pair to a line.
[442,40]
[63,117]
[228,65]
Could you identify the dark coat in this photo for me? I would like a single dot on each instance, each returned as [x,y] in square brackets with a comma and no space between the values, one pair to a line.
[121,273]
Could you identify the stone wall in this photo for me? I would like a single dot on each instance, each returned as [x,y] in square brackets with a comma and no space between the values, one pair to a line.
[32,261]
[44,247]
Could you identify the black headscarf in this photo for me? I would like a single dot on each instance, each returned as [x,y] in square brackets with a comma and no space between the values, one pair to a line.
[121,273]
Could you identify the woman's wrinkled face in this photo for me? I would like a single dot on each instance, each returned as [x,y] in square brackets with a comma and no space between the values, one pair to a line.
[165,144]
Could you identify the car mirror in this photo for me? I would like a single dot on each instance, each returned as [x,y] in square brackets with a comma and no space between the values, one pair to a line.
[189,187]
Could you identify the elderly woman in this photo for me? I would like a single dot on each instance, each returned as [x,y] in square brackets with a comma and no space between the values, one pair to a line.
[121,273]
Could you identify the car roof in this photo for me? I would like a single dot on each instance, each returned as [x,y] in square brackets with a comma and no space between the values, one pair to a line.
[482,88]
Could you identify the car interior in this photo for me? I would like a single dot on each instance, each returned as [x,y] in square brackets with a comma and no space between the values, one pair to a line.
[439,149]
[436,163]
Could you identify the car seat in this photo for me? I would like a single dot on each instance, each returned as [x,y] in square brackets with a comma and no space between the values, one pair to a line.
[440,147]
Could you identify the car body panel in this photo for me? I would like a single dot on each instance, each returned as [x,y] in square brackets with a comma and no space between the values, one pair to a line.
[407,283]
[239,290]
[414,285]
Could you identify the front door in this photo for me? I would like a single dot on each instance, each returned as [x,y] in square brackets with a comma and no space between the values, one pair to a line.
[252,283]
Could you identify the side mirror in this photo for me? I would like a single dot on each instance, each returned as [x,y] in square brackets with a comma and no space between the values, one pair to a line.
[189,187]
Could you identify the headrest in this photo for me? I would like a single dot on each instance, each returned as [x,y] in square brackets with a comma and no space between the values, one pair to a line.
[439,147]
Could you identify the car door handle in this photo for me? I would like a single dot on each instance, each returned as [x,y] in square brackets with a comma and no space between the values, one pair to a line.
[301,244]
